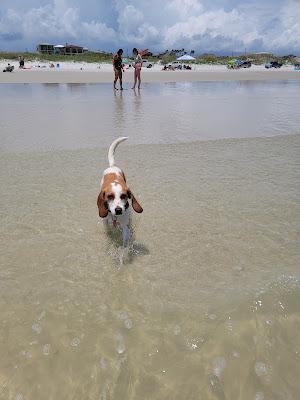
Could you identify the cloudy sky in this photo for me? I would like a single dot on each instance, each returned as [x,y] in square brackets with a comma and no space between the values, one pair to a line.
[219,26]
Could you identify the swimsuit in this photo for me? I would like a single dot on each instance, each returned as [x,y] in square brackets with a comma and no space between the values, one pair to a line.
[138,61]
[118,63]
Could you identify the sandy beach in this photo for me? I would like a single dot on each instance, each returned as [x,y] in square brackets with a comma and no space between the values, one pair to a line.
[102,73]
[191,311]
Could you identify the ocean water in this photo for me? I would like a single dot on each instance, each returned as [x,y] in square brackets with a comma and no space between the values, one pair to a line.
[205,302]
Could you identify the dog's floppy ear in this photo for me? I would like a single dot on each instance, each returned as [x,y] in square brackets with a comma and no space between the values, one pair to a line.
[135,204]
[102,205]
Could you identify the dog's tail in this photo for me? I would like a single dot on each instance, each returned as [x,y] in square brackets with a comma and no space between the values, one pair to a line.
[112,148]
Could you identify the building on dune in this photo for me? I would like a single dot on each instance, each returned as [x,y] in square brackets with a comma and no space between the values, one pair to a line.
[62,49]
[45,48]
[71,49]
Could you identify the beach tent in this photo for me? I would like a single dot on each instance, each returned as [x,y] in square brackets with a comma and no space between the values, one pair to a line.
[186,57]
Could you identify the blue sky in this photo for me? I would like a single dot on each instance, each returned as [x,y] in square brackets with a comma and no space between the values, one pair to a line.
[202,25]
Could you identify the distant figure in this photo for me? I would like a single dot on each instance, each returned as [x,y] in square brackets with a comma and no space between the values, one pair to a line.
[9,68]
[118,68]
[138,63]
[21,62]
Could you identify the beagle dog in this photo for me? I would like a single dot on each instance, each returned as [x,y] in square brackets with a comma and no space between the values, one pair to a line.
[113,199]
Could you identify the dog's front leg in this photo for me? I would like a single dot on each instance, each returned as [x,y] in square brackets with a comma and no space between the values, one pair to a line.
[126,235]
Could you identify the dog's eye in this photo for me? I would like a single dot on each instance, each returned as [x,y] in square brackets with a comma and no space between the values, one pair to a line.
[110,197]
[123,196]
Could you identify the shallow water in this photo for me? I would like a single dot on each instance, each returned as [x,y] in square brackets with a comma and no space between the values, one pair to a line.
[75,116]
[204,305]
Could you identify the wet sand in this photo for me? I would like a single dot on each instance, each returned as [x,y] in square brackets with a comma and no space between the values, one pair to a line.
[205,302]
[76,116]
[37,76]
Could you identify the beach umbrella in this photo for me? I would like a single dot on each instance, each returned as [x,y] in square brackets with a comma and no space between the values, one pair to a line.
[186,57]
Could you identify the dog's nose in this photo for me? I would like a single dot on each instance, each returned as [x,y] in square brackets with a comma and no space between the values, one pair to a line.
[118,210]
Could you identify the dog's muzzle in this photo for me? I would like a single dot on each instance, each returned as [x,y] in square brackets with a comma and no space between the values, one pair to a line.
[118,210]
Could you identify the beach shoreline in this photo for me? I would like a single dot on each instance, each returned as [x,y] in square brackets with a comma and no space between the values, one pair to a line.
[102,73]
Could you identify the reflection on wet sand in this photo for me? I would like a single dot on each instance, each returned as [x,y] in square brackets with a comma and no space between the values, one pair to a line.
[119,116]
[75,116]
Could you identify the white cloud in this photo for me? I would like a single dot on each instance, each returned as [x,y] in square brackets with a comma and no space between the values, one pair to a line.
[185,8]
[242,27]
[289,34]
[54,22]
[204,25]
[98,31]
[130,19]
[226,25]
[133,28]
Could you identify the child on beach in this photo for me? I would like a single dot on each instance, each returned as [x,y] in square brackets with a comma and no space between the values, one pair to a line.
[118,68]
[138,62]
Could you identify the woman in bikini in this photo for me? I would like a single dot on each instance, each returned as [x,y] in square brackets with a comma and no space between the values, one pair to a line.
[118,68]
[138,62]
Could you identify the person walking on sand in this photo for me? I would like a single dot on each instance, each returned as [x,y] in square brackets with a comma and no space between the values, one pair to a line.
[138,62]
[118,68]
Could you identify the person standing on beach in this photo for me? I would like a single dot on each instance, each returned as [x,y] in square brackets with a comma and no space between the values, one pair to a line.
[118,68]
[138,62]
[21,62]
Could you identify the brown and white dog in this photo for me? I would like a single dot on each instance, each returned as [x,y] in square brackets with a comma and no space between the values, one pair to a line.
[113,200]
